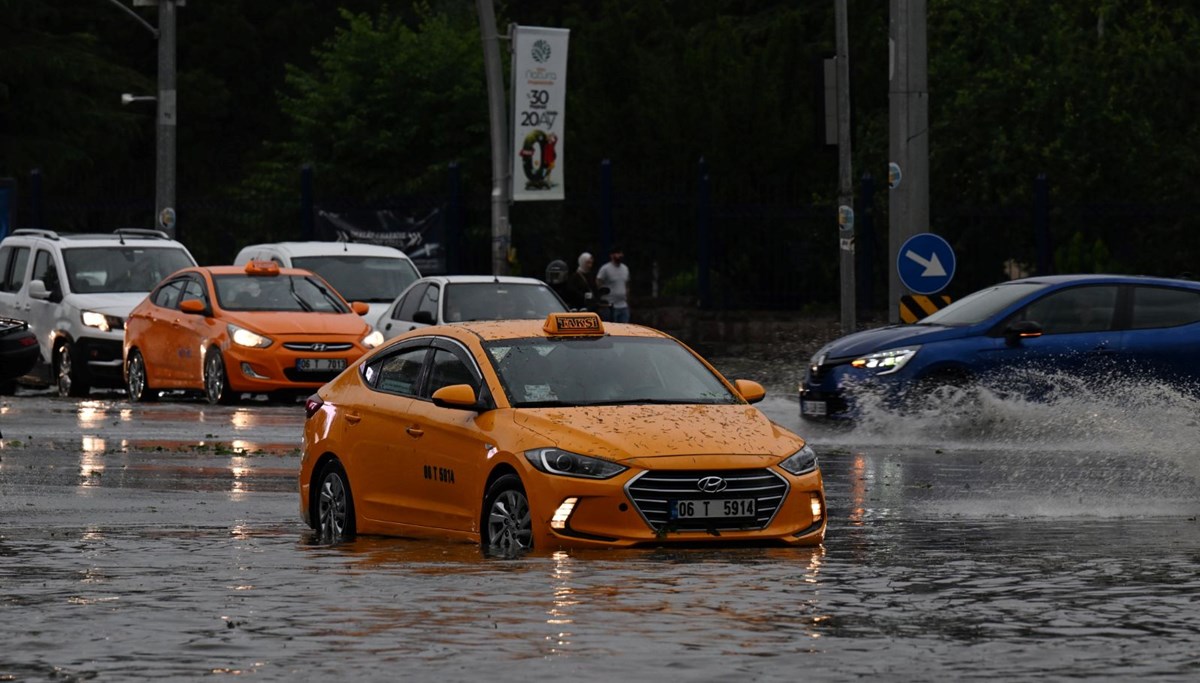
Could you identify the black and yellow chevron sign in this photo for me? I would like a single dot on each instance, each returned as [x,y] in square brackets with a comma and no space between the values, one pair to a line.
[915,307]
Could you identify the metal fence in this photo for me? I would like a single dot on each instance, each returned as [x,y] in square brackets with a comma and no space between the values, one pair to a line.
[685,240]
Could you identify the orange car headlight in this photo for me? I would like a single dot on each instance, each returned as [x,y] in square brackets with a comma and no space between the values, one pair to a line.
[568,464]
[801,462]
[243,337]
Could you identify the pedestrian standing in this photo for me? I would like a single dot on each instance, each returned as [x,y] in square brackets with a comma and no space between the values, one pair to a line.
[580,291]
[614,275]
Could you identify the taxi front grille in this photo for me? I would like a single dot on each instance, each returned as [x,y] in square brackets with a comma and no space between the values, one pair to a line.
[317,347]
[654,492]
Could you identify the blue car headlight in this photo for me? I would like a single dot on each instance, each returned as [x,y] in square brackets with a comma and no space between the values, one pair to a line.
[801,462]
[568,464]
[886,362]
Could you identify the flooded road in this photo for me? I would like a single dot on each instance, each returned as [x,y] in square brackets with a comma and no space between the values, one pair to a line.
[164,541]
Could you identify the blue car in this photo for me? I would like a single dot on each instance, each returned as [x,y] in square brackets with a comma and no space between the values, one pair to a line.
[1086,326]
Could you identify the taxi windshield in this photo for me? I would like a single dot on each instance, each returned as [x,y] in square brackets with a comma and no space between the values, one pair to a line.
[541,372]
[296,293]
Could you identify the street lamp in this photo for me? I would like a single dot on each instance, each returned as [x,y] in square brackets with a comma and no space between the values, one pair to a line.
[127,98]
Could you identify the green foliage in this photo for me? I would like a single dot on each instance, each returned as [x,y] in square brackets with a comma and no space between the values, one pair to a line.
[1083,255]
[384,109]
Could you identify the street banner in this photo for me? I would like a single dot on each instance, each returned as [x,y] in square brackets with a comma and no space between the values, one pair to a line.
[539,111]
[422,237]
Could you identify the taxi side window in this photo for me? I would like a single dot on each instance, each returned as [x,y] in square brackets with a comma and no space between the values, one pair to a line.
[398,373]
[448,369]
[408,306]
[12,275]
[193,289]
[167,296]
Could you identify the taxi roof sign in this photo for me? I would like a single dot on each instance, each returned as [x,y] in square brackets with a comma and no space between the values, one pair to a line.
[573,324]
[262,268]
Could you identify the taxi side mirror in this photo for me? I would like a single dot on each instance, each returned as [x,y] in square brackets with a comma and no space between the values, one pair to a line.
[194,306]
[750,390]
[456,396]
[360,308]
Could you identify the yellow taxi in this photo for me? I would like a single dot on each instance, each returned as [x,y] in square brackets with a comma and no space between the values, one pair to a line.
[230,330]
[568,432]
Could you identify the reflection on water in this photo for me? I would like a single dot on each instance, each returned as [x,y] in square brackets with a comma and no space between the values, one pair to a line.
[559,617]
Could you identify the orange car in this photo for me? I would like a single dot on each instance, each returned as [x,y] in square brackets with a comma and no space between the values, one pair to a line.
[521,435]
[229,330]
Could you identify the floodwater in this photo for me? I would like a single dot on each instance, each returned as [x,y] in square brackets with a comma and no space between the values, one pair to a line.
[1046,541]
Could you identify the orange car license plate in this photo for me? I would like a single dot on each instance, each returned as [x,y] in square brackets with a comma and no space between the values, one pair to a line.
[319,364]
[720,507]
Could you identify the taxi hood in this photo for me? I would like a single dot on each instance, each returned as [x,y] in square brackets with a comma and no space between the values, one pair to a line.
[890,337]
[623,433]
[284,323]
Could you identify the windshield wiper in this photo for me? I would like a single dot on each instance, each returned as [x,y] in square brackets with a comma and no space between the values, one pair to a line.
[546,404]
[303,304]
[643,401]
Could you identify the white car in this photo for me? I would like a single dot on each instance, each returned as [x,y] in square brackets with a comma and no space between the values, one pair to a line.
[440,299]
[76,290]
[370,273]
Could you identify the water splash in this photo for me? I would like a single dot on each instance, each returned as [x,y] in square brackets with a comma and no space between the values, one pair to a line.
[1038,412]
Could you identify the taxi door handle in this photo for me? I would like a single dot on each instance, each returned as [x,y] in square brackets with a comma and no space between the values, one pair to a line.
[415,432]
[353,418]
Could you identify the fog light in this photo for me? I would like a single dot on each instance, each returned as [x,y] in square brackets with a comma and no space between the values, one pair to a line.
[563,513]
[248,371]
[817,508]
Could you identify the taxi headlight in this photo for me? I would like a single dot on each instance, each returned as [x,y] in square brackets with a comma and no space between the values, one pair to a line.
[372,340]
[886,362]
[243,337]
[102,322]
[568,464]
[801,462]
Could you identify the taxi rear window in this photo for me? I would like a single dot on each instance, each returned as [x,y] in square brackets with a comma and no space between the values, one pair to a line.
[542,372]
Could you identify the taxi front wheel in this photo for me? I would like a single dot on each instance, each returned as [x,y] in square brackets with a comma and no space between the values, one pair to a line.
[216,380]
[507,524]
[136,384]
[334,505]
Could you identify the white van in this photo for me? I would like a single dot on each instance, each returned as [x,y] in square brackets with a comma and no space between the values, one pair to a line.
[370,273]
[76,290]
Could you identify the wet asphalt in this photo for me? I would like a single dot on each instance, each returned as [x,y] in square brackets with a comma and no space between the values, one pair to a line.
[163,542]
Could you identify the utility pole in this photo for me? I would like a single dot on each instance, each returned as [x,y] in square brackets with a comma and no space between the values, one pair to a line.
[164,175]
[498,114]
[165,128]
[908,136]
[845,179]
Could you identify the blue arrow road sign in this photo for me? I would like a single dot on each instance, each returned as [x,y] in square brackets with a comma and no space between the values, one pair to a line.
[925,263]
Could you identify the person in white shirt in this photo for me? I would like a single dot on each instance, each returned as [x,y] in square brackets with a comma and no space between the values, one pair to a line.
[615,276]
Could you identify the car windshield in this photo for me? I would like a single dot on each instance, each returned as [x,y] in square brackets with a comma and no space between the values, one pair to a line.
[540,372]
[121,268]
[377,279]
[499,301]
[982,305]
[276,293]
